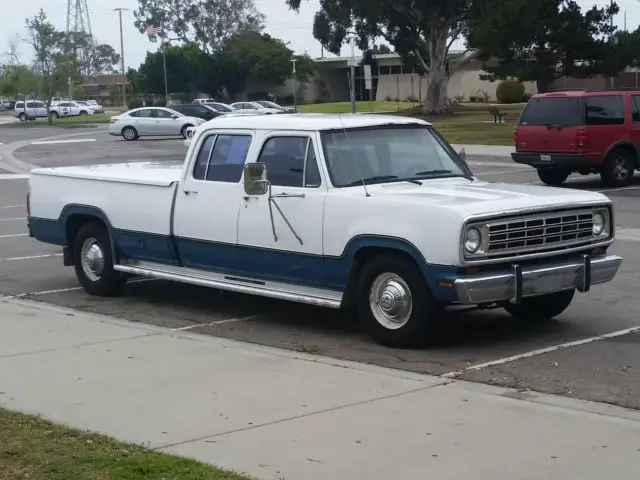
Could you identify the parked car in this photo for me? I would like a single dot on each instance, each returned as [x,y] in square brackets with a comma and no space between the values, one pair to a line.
[220,107]
[275,106]
[191,131]
[97,108]
[336,211]
[583,131]
[88,107]
[199,110]
[69,109]
[204,100]
[151,121]
[33,109]
[254,106]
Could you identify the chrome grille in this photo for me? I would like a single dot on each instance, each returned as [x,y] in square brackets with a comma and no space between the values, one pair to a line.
[541,231]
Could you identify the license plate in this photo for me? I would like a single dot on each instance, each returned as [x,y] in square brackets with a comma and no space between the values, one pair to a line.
[545,158]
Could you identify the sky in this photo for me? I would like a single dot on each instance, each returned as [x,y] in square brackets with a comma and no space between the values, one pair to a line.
[281,22]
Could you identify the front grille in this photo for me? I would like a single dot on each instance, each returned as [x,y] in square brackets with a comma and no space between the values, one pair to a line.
[540,232]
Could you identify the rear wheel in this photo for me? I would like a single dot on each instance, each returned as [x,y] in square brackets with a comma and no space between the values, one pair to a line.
[544,307]
[554,177]
[129,133]
[394,303]
[93,261]
[23,117]
[618,168]
[183,131]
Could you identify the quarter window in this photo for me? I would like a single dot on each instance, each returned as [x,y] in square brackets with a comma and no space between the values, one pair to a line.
[291,162]
[605,110]
[635,108]
[221,158]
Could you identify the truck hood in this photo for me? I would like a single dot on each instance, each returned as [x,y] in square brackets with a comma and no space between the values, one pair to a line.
[480,197]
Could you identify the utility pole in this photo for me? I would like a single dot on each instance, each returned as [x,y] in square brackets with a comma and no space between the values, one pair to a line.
[352,40]
[124,77]
[295,86]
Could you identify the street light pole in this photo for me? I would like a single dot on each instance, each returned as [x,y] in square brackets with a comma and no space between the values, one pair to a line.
[124,77]
[293,75]
[352,40]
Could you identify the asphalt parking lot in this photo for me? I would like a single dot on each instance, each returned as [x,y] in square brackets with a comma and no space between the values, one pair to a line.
[589,352]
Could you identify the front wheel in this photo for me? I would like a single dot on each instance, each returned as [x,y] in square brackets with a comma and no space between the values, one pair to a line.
[394,303]
[93,261]
[544,307]
[553,177]
[129,133]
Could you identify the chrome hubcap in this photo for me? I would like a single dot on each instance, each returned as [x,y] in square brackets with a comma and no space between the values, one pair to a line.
[620,168]
[128,133]
[390,301]
[92,258]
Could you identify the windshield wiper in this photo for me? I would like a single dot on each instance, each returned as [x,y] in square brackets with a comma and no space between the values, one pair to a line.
[381,178]
[435,173]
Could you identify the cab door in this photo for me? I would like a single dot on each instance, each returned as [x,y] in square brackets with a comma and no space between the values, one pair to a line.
[280,236]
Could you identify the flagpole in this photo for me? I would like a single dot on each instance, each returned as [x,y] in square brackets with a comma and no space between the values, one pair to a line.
[164,67]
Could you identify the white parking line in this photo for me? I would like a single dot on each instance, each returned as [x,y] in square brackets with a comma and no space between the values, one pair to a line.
[14,176]
[32,257]
[72,140]
[11,206]
[15,219]
[72,289]
[217,322]
[15,235]
[502,172]
[541,351]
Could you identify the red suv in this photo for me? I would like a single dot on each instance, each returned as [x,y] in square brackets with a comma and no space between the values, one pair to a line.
[580,131]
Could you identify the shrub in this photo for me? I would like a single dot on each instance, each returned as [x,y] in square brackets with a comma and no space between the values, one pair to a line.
[510,91]
[134,103]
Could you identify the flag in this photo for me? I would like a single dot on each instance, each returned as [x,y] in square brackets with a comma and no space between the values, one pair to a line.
[152,30]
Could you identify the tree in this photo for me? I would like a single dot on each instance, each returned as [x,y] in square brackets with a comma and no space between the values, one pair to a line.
[542,40]
[19,80]
[258,58]
[46,41]
[207,23]
[424,29]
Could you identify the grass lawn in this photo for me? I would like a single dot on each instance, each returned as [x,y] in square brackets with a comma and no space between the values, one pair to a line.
[35,449]
[63,122]
[363,107]
[474,124]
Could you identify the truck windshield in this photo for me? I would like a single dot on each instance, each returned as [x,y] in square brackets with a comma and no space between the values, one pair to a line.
[388,154]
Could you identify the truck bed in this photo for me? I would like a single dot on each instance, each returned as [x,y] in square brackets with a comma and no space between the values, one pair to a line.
[135,197]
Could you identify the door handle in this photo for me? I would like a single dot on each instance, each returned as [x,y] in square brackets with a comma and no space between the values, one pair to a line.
[190,192]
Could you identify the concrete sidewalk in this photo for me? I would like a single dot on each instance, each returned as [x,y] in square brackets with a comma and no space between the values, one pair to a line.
[279,414]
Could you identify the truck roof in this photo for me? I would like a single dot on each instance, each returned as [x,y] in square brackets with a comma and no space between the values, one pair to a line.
[310,121]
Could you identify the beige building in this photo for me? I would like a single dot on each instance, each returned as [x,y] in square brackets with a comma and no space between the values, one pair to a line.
[391,81]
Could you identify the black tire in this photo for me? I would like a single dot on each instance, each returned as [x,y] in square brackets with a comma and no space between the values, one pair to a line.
[83,112]
[129,134]
[618,168]
[420,328]
[183,131]
[553,177]
[97,280]
[54,115]
[23,117]
[544,307]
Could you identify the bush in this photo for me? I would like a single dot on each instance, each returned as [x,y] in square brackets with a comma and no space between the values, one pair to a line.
[134,103]
[510,91]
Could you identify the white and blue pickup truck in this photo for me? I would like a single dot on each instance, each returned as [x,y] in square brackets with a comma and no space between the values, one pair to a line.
[375,214]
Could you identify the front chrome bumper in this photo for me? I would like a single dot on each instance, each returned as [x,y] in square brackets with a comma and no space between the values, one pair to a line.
[522,282]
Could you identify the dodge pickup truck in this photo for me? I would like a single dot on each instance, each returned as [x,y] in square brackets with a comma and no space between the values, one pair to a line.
[374,214]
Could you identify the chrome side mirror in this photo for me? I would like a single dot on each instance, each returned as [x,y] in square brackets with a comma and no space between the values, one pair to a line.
[255,179]
[463,155]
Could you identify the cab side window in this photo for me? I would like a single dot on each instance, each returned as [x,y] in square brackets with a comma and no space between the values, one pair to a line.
[635,108]
[221,158]
[291,162]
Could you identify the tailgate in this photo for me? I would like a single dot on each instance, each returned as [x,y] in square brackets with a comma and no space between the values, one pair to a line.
[550,124]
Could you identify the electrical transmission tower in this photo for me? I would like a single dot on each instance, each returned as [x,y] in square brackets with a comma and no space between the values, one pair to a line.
[80,44]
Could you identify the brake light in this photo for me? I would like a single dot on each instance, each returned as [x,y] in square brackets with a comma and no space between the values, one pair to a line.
[582,138]
[515,136]
[28,204]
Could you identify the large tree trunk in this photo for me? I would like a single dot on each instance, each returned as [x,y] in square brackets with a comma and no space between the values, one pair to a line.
[436,100]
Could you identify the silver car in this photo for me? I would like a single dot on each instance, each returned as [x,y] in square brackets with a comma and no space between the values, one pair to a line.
[151,121]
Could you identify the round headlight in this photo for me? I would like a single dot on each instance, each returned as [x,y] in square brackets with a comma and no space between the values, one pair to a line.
[598,223]
[472,240]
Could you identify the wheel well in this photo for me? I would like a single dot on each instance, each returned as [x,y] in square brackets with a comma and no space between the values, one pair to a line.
[75,223]
[359,259]
[626,148]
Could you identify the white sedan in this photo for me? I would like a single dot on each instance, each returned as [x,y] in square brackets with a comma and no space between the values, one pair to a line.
[151,121]
[254,107]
